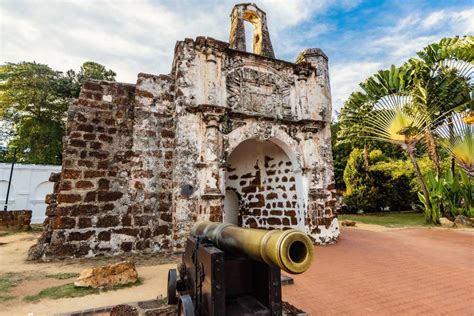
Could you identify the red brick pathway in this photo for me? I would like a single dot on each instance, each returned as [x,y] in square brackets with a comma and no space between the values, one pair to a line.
[400,272]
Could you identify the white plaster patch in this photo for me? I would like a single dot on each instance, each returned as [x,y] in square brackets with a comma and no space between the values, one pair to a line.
[107,98]
[328,235]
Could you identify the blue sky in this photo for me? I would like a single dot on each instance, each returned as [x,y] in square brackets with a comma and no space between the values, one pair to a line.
[360,37]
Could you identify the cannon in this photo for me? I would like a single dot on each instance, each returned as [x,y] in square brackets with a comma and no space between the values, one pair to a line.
[229,270]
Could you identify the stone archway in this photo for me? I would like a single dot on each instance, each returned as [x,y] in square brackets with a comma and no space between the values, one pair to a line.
[261,174]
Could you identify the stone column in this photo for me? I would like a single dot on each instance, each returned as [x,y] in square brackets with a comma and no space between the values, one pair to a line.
[322,194]
[211,78]
[212,197]
[318,59]
[302,110]
[212,154]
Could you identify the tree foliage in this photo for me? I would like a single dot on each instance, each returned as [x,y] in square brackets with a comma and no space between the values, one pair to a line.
[342,149]
[404,105]
[33,103]
[73,81]
[31,100]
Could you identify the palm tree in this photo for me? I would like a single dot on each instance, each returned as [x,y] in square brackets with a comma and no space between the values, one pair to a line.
[395,119]
[404,105]
[356,109]
[446,70]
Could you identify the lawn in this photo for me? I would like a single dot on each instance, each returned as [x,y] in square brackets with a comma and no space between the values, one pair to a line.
[387,219]
[69,290]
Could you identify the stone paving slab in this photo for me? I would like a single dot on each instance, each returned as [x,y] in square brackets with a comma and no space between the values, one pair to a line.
[400,272]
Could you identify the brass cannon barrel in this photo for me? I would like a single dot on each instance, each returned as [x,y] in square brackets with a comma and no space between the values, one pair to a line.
[291,250]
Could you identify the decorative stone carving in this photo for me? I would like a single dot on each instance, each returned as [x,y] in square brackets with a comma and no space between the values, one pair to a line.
[254,91]
[264,130]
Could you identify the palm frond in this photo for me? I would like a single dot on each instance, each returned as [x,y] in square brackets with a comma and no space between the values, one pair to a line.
[458,139]
[395,119]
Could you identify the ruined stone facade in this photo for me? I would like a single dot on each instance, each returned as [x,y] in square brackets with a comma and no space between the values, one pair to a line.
[228,136]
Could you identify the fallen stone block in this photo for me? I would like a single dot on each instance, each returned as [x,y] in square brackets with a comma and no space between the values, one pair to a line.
[446,222]
[108,275]
[348,223]
[462,221]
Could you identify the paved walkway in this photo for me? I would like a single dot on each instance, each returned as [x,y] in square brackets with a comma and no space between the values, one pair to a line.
[398,272]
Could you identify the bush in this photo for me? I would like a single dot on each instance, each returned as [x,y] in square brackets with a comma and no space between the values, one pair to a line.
[452,193]
[384,184]
[392,180]
[360,191]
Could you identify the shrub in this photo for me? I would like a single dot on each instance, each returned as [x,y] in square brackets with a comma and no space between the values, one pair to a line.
[360,192]
[384,184]
[392,180]
[451,192]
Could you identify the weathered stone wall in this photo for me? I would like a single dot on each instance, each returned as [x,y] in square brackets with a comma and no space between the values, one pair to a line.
[150,185]
[142,163]
[89,203]
[15,220]
[113,194]
[261,175]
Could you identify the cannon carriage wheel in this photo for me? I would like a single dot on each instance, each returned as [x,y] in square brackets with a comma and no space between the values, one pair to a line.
[185,306]
[172,281]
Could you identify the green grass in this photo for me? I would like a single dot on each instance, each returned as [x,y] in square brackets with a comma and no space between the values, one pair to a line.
[63,276]
[387,219]
[5,233]
[6,297]
[69,290]
[34,228]
[7,282]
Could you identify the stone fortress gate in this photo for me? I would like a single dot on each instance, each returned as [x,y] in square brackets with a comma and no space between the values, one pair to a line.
[229,135]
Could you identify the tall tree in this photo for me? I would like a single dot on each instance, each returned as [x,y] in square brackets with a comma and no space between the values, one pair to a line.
[393,120]
[30,100]
[33,104]
[422,91]
[72,81]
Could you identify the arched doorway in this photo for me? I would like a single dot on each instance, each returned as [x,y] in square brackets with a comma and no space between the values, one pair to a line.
[261,176]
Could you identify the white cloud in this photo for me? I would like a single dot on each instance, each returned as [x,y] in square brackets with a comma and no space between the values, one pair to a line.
[418,30]
[126,36]
[395,44]
[345,78]
[139,36]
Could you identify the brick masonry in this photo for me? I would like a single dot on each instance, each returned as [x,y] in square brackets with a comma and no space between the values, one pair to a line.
[15,220]
[226,136]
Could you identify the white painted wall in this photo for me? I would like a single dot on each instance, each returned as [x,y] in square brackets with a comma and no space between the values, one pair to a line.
[28,189]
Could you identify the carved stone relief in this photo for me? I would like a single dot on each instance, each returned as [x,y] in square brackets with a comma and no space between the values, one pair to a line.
[254,91]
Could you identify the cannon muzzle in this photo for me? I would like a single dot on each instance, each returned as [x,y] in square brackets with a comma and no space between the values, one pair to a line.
[291,250]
